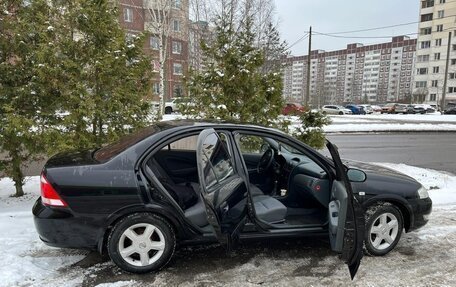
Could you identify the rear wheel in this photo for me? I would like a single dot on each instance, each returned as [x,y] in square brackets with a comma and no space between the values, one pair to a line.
[341,113]
[141,243]
[384,226]
[168,110]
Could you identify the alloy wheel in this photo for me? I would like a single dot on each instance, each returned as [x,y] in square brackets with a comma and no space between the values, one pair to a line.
[384,231]
[141,244]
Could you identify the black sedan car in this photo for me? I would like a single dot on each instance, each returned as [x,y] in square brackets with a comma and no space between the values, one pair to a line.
[187,181]
[450,111]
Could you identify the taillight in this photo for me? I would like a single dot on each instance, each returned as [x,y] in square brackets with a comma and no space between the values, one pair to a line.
[48,194]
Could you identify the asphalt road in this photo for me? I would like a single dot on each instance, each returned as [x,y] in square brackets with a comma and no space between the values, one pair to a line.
[428,150]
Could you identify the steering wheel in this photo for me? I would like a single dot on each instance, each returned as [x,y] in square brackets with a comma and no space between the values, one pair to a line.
[265,161]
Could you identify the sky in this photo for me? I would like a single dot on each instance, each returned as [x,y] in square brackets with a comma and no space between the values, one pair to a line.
[331,16]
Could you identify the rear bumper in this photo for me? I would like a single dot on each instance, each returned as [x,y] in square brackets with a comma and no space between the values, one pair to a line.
[421,209]
[58,227]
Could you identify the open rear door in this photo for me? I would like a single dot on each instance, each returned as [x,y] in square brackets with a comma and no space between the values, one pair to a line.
[224,192]
[346,217]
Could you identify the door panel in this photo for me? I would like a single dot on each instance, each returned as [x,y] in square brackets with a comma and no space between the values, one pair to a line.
[337,213]
[223,190]
[346,217]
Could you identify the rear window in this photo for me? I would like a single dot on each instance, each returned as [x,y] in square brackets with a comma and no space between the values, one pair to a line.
[107,152]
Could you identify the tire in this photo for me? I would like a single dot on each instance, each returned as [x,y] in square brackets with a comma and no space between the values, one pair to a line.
[375,241]
[140,256]
[168,110]
[341,113]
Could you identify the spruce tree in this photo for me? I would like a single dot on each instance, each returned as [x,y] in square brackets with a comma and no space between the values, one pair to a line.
[107,76]
[232,86]
[26,105]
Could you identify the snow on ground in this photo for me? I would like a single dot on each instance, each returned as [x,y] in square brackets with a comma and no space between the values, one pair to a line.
[376,123]
[391,123]
[422,258]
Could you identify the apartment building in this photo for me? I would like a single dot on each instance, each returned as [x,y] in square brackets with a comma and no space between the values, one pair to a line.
[373,73]
[136,16]
[437,18]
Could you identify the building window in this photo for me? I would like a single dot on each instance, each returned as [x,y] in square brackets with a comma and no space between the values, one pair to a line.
[451,89]
[176,25]
[177,69]
[177,47]
[437,56]
[421,84]
[423,58]
[128,14]
[453,61]
[426,17]
[427,4]
[440,28]
[425,44]
[156,88]
[177,4]
[434,83]
[432,97]
[435,70]
[421,71]
[452,75]
[154,43]
[442,1]
[441,14]
[177,91]
[438,42]
[426,31]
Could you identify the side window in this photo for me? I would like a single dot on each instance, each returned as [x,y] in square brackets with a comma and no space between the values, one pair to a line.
[187,143]
[216,159]
[251,144]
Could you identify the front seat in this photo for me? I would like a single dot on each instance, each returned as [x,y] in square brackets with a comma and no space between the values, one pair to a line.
[269,209]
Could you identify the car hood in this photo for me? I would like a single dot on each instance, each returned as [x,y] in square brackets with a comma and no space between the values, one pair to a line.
[382,180]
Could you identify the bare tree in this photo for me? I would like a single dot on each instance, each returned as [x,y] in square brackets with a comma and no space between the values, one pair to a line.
[159,25]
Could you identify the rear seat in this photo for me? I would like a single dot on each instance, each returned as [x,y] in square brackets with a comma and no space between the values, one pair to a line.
[266,207]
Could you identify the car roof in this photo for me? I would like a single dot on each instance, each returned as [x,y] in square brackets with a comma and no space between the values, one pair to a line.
[142,139]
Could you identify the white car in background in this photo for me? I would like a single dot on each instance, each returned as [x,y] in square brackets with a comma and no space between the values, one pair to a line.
[367,108]
[336,110]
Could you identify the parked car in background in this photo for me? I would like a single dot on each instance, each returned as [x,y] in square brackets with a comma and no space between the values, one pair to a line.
[293,109]
[435,107]
[356,110]
[376,108]
[198,182]
[368,109]
[175,104]
[416,109]
[410,109]
[400,109]
[389,108]
[450,111]
[427,108]
[336,110]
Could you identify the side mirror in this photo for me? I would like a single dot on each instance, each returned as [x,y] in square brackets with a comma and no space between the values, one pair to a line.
[356,175]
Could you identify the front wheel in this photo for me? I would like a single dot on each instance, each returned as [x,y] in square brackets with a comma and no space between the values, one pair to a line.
[168,110]
[141,242]
[341,113]
[384,224]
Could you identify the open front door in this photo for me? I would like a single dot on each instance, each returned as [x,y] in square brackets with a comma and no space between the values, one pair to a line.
[346,217]
[224,192]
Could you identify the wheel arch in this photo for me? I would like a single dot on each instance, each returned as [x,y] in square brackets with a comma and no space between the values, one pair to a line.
[403,206]
[167,215]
